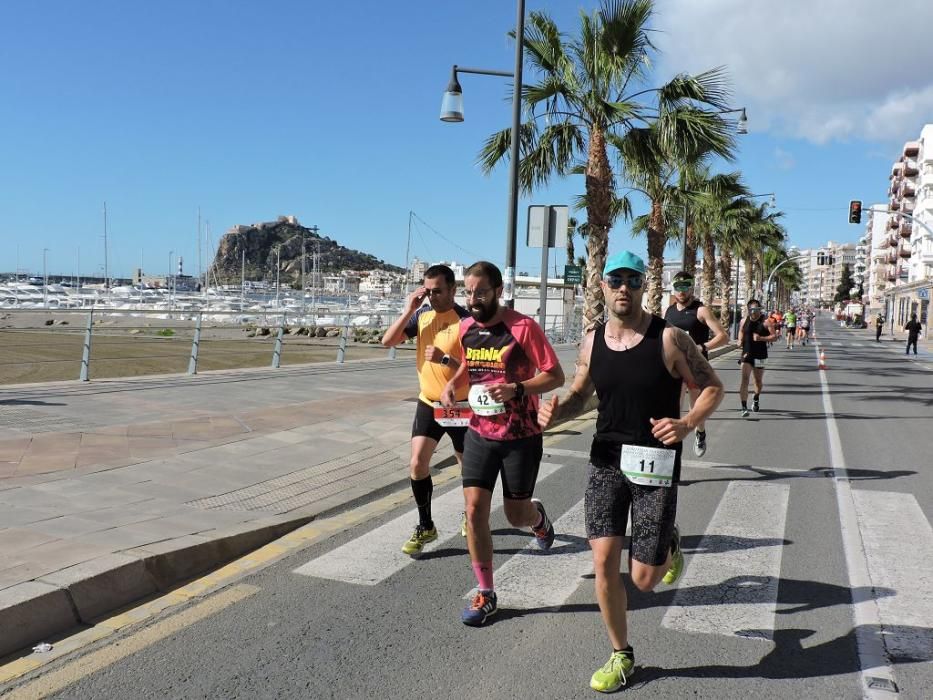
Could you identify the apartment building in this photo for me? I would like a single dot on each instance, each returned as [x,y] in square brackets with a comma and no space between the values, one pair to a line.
[907,249]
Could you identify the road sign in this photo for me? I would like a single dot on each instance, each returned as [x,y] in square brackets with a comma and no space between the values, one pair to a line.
[923,293]
[573,274]
[547,223]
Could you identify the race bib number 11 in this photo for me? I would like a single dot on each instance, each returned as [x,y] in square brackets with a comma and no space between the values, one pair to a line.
[648,466]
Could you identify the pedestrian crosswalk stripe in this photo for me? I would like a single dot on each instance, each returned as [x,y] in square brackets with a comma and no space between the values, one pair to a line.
[837,344]
[730,585]
[900,569]
[376,555]
[534,579]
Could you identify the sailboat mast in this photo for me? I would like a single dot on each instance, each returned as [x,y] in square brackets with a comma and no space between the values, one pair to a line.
[106,253]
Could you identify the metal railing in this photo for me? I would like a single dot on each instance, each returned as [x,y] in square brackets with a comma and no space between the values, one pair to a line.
[65,344]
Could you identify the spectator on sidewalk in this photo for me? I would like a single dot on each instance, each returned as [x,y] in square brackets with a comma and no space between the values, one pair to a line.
[913,333]
[879,327]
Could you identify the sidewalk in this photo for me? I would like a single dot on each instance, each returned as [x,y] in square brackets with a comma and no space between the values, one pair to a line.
[117,489]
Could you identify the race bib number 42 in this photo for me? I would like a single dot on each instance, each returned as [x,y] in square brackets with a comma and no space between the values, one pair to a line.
[482,403]
[648,466]
[457,416]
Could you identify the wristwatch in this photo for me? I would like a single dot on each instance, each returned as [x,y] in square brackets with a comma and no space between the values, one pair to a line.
[445,360]
[519,390]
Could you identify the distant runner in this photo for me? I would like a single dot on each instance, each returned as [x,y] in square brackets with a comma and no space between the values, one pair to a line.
[790,323]
[508,361]
[754,336]
[689,314]
[437,328]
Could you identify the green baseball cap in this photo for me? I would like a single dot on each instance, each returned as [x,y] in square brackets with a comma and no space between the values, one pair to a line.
[626,260]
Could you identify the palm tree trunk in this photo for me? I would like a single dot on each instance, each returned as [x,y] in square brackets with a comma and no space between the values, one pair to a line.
[691,252]
[725,274]
[599,187]
[709,268]
[656,241]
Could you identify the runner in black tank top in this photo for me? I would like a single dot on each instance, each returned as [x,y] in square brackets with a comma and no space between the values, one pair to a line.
[636,364]
[689,314]
[633,386]
[757,331]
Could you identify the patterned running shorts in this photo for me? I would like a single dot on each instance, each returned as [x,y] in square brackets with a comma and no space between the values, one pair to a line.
[610,496]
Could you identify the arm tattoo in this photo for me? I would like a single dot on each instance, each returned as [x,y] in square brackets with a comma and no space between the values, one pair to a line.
[703,374]
[572,405]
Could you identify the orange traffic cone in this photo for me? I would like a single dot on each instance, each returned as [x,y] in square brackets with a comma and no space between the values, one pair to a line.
[823,360]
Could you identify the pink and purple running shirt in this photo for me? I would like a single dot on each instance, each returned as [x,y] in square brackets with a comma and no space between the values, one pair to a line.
[512,350]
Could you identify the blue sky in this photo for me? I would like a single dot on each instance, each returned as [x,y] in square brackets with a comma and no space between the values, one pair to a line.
[329,111]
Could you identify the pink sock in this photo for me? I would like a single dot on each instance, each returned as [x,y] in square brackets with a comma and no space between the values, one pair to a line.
[483,572]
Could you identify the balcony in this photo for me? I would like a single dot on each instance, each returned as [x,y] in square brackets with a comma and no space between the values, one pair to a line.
[892,240]
[906,230]
[903,252]
[897,170]
[912,149]
[891,259]
[911,170]
[890,276]
[894,204]
[908,207]
[908,191]
[903,271]
[893,222]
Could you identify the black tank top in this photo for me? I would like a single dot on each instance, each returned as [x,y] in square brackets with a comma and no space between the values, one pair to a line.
[632,386]
[688,320]
[755,349]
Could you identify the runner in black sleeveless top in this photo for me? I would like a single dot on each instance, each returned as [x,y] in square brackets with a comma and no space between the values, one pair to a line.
[635,364]
[689,314]
[754,336]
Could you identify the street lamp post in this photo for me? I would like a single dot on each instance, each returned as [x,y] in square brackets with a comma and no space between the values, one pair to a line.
[278,266]
[452,111]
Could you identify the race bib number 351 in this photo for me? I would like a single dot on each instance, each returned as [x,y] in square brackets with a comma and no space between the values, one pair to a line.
[648,466]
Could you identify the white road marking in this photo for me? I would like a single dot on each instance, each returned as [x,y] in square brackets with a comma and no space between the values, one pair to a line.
[873,660]
[730,585]
[376,555]
[577,454]
[534,579]
[902,565]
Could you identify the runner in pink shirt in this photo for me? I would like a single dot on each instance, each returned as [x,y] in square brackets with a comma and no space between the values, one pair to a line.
[508,361]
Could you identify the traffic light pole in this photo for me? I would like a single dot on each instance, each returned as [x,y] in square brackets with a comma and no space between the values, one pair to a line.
[907,216]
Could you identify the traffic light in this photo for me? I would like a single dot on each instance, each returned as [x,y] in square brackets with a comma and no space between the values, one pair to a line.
[855,211]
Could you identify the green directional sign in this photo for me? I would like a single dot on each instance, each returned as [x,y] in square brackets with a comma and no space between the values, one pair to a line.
[573,274]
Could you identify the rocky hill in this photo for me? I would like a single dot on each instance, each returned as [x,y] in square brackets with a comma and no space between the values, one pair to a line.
[260,241]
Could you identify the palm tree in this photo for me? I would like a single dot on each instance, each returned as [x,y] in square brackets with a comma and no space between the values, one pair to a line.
[710,206]
[587,92]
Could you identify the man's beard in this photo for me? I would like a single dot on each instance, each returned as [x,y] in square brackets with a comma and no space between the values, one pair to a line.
[630,311]
[484,312]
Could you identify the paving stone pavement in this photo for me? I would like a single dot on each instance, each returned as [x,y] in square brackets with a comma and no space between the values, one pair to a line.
[100,476]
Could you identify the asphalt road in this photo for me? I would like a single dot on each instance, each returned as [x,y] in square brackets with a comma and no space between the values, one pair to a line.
[807,533]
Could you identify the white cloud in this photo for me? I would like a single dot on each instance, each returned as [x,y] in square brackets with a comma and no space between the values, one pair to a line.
[785,160]
[819,70]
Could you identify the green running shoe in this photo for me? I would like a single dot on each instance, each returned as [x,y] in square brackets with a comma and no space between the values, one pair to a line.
[677,560]
[615,673]
[420,537]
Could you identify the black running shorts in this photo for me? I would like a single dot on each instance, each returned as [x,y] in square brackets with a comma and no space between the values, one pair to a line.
[424,425]
[516,460]
[610,496]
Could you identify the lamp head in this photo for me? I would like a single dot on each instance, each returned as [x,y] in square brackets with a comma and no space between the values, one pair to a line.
[742,127]
[452,103]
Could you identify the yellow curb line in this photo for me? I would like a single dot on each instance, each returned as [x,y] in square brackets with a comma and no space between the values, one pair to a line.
[305,535]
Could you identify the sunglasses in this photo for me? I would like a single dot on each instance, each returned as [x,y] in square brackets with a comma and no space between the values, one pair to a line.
[631,281]
[682,286]
[754,310]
